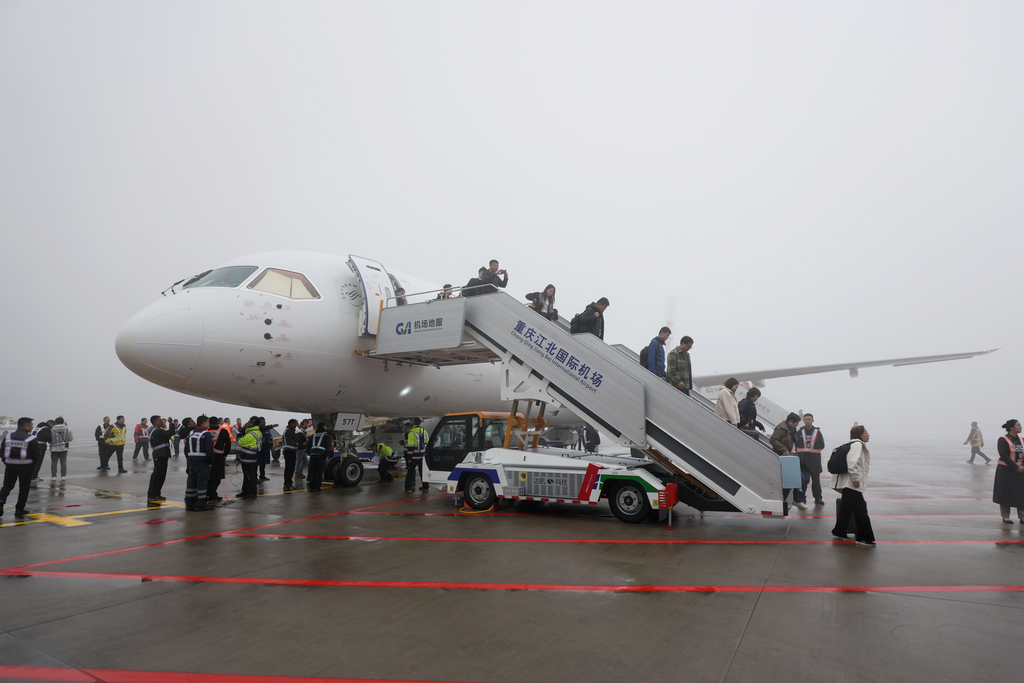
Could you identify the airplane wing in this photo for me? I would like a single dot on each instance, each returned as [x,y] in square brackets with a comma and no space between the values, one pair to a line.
[758,376]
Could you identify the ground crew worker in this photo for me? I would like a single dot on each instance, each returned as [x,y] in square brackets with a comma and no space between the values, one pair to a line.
[289,446]
[249,448]
[320,446]
[384,452]
[220,434]
[141,440]
[160,439]
[61,437]
[19,450]
[182,431]
[415,447]
[809,445]
[198,459]
[115,438]
[43,436]
[101,445]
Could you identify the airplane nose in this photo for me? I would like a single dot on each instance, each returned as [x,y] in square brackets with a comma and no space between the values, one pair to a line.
[162,343]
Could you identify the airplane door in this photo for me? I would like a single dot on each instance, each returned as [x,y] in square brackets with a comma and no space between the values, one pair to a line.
[377,288]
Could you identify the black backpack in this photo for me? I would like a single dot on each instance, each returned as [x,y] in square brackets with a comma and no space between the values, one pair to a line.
[643,355]
[837,461]
[574,324]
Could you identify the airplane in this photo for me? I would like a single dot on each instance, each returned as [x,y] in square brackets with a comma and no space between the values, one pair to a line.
[290,331]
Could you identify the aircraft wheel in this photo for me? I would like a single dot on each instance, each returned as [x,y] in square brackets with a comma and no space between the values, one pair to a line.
[629,503]
[348,472]
[331,469]
[479,492]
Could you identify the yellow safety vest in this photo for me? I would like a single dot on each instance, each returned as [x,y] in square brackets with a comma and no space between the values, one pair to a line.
[117,435]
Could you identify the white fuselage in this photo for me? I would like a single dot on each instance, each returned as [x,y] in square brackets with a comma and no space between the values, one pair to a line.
[212,342]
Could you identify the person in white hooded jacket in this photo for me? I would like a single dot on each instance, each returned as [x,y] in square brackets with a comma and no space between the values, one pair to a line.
[851,486]
[726,406]
[60,438]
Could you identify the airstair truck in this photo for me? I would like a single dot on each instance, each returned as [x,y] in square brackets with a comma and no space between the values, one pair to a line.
[714,465]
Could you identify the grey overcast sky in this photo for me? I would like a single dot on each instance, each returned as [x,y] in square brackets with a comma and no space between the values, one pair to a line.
[790,183]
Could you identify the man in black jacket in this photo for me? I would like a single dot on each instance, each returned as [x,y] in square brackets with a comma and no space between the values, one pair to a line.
[185,428]
[321,447]
[19,450]
[101,445]
[43,436]
[492,277]
[160,441]
[293,436]
[220,433]
[198,456]
[473,287]
[592,319]
[809,445]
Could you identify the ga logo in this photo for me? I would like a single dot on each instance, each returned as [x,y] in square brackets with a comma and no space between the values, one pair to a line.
[403,328]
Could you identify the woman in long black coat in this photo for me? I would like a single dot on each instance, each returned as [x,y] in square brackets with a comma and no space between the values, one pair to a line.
[1008,489]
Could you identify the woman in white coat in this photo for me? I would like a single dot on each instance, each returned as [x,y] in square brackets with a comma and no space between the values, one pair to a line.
[726,406]
[851,486]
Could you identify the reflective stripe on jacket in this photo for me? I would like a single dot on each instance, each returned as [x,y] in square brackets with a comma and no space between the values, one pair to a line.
[16,449]
[416,442]
[116,436]
[806,442]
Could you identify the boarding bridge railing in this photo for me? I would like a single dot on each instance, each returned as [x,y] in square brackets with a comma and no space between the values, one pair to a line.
[543,361]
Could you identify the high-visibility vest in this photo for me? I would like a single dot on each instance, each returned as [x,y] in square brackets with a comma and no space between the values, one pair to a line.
[384,451]
[16,450]
[250,441]
[216,438]
[319,447]
[117,435]
[416,441]
[194,449]
[808,443]
[1016,450]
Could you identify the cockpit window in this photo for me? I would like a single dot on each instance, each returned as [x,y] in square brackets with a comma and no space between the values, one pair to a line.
[284,283]
[232,276]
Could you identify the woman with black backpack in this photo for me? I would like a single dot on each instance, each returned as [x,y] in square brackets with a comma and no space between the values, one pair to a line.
[851,484]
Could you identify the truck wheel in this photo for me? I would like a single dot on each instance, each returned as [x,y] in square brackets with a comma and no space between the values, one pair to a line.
[348,472]
[479,492]
[629,503]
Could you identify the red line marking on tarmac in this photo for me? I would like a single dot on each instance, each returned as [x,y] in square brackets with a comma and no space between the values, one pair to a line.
[484,514]
[904,484]
[456,585]
[210,535]
[40,673]
[443,539]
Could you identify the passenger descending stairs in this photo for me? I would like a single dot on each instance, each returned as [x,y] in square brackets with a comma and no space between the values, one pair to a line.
[717,466]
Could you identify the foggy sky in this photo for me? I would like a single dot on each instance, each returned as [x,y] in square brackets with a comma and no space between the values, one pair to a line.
[788,183]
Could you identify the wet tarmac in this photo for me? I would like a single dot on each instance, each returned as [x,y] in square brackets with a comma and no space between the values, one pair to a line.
[370,583]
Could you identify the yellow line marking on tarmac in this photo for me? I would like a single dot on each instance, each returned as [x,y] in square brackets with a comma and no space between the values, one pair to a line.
[58,519]
[75,520]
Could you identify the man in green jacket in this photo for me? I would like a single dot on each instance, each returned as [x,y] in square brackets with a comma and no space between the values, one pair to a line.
[679,372]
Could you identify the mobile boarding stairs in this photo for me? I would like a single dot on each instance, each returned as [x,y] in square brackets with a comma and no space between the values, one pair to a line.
[716,466]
